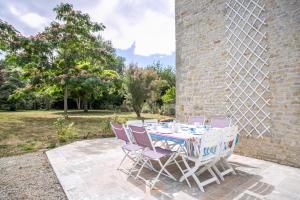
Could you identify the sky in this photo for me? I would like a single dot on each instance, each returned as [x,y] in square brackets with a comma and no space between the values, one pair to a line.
[142,31]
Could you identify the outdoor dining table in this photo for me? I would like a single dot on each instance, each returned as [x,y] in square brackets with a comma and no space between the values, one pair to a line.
[181,135]
[185,137]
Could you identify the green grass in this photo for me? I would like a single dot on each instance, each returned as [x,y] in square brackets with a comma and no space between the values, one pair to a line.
[28,131]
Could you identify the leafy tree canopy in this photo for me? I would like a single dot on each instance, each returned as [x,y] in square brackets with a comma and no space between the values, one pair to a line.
[139,85]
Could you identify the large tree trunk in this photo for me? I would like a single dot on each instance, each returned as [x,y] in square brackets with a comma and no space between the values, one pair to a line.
[66,101]
[48,102]
[78,102]
[85,105]
[137,112]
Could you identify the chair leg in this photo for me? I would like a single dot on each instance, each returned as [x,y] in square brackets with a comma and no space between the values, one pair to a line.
[187,181]
[218,172]
[134,157]
[214,175]
[221,164]
[138,174]
[163,167]
[126,154]
[150,166]
[191,172]
[202,170]
[134,165]
[161,170]
[228,165]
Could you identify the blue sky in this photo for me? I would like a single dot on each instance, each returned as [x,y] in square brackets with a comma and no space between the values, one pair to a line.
[142,31]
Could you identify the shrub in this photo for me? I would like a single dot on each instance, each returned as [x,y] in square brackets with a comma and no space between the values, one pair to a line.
[28,147]
[105,128]
[168,109]
[51,145]
[65,132]
[146,108]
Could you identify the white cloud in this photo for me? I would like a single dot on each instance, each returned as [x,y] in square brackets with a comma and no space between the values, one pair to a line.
[31,19]
[34,20]
[14,10]
[150,24]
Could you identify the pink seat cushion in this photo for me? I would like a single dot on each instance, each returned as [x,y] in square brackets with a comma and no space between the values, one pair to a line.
[131,147]
[158,154]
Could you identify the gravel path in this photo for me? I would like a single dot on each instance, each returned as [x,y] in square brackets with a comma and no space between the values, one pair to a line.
[28,176]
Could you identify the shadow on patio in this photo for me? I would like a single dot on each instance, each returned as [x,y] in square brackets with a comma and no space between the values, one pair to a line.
[87,170]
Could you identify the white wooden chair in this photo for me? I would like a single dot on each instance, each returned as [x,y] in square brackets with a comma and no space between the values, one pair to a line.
[196,120]
[208,151]
[220,122]
[227,147]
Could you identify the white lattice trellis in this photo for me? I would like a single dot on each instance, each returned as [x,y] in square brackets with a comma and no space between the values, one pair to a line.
[248,76]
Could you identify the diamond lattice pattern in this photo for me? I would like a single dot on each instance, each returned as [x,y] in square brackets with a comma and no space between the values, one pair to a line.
[247,76]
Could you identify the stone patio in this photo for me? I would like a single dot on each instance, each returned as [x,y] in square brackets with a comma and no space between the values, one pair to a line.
[87,170]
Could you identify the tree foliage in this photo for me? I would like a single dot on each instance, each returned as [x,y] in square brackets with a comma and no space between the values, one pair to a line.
[169,96]
[69,54]
[10,82]
[69,60]
[141,85]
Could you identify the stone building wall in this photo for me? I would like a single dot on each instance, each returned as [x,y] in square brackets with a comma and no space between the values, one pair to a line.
[201,72]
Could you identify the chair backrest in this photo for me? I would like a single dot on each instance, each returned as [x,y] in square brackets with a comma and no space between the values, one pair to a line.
[141,136]
[211,144]
[134,122]
[120,132]
[220,122]
[196,119]
[150,122]
[229,140]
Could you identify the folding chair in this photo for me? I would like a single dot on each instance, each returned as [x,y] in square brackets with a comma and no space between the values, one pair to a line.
[220,122]
[134,122]
[227,147]
[129,148]
[150,122]
[151,153]
[204,155]
[196,119]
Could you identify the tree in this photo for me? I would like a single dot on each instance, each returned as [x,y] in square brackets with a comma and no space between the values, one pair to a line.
[73,41]
[164,72]
[155,94]
[10,38]
[167,79]
[93,85]
[53,56]
[11,82]
[169,96]
[1,72]
[118,64]
[138,84]
[113,90]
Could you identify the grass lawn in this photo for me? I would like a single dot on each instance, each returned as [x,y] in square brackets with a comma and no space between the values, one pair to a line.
[27,131]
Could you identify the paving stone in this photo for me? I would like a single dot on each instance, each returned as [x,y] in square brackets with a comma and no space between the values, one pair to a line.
[85,174]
